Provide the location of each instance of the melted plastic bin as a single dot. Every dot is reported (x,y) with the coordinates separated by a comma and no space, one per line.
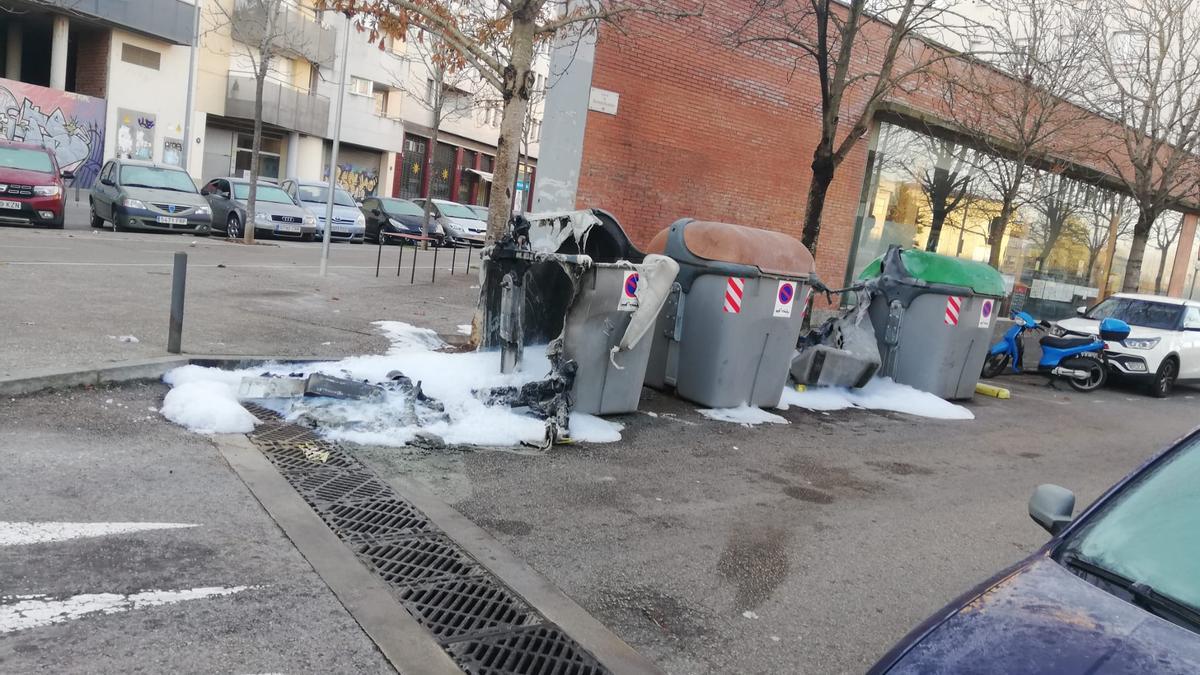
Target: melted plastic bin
(933,319)
(729,328)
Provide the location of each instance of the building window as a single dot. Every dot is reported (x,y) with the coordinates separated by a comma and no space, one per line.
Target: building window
(381,102)
(467,180)
(140,56)
(414,167)
(443,167)
(535,131)
(429,91)
(361,87)
(268,156)
(314,76)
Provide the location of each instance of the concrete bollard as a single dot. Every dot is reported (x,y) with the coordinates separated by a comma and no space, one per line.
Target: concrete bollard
(178,283)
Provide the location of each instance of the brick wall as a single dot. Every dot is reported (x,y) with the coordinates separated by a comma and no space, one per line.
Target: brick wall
(91,63)
(707,131)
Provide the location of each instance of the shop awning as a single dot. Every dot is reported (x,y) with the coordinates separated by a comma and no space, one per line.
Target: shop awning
(482,174)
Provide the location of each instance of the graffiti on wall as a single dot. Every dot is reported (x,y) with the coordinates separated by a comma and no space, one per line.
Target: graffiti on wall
(135,134)
(72,125)
(360,182)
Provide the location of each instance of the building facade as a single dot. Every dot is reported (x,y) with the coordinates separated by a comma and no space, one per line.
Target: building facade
(665,120)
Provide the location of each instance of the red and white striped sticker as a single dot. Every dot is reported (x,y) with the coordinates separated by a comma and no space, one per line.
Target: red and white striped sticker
(953,305)
(733,295)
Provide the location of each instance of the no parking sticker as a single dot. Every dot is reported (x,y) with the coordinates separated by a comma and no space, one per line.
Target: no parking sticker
(629,301)
(784,298)
(985,314)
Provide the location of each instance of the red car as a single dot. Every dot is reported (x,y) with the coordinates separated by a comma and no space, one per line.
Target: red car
(31,186)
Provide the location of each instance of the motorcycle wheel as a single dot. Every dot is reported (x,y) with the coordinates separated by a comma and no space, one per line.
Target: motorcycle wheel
(1097,374)
(994,365)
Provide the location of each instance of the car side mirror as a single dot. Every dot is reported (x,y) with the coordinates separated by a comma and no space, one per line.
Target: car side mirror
(1081,310)
(1051,507)
(204,191)
(106,181)
(67,174)
(376,213)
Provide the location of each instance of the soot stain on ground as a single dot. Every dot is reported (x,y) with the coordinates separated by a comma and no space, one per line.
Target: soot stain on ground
(755,560)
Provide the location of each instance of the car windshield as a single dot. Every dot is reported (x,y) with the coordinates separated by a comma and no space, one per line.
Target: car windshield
(156,177)
(401,207)
(1136,312)
(452,210)
(319,194)
(265,193)
(481,212)
(1148,533)
(26,159)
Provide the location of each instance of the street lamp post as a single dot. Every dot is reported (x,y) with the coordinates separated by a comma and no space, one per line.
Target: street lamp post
(337,134)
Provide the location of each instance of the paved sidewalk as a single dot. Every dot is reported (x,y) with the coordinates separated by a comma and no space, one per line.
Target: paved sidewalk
(70,296)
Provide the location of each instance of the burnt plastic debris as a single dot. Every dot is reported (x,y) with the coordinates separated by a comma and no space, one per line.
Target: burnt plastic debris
(340,387)
(842,352)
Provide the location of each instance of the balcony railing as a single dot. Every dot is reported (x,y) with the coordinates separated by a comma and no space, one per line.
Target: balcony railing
(283,105)
(296,32)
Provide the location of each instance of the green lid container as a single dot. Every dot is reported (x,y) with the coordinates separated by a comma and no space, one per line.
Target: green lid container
(935,268)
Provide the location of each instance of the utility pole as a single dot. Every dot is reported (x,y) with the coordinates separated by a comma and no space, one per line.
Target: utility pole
(191,89)
(337,134)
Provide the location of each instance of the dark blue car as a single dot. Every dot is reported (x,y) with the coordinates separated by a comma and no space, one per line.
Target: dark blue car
(1116,590)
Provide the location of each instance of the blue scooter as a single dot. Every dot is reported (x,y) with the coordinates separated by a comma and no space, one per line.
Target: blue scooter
(1079,359)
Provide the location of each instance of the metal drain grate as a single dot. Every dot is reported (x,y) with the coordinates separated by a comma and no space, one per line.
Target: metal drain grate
(262,413)
(486,627)
(305,457)
(419,559)
(337,484)
(375,520)
(538,650)
(452,609)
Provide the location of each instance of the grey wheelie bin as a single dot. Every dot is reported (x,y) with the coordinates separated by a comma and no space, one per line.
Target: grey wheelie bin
(933,318)
(728,331)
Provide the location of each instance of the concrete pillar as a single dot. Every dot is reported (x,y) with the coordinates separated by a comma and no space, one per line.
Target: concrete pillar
(1185,256)
(12,57)
(292,164)
(58,51)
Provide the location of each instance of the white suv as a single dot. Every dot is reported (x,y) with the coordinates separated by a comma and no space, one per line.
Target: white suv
(1164,345)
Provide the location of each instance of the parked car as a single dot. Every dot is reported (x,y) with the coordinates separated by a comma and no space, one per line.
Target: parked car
(349,224)
(459,222)
(276,213)
(1163,347)
(31,186)
(1115,590)
(481,212)
(137,195)
(397,217)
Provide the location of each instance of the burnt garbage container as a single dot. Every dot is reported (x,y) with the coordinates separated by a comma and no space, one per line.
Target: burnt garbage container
(729,328)
(933,318)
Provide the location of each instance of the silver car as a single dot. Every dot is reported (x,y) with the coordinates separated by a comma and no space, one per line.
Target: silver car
(349,223)
(459,222)
(276,214)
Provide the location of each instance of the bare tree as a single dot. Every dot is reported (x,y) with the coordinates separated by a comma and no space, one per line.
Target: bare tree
(1149,61)
(262,34)
(1059,200)
(448,92)
(1099,216)
(497,38)
(862,51)
(1165,231)
(945,184)
(1025,114)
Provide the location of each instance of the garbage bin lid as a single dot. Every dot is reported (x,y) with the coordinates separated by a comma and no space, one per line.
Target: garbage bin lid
(769,251)
(943,269)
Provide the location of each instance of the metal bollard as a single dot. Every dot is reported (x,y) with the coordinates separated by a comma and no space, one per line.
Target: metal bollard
(178,284)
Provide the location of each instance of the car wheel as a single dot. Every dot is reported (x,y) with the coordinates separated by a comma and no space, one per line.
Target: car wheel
(1164,379)
(233,227)
(97,221)
(994,365)
(1097,374)
(117,226)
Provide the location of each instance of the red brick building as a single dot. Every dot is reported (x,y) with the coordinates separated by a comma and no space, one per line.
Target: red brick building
(680,123)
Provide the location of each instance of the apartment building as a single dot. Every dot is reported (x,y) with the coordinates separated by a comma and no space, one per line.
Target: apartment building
(97,79)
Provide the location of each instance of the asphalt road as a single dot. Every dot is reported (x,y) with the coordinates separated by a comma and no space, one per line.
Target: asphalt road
(87,292)
(216,589)
(806,548)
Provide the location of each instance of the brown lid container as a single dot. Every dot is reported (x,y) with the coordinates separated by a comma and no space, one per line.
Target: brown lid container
(771,252)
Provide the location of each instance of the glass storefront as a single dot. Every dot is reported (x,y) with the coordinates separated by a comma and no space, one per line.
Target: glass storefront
(936,194)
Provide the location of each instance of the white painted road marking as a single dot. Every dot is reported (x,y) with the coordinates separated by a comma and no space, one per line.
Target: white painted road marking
(17,533)
(33,611)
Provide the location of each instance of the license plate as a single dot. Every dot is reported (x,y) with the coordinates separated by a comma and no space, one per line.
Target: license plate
(171,220)
(5,204)
(288,228)
(1093,355)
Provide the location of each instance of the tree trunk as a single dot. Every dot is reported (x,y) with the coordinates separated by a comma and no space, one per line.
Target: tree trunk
(1162,266)
(935,229)
(439,82)
(518,83)
(823,166)
(260,77)
(999,224)
(1137,251)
